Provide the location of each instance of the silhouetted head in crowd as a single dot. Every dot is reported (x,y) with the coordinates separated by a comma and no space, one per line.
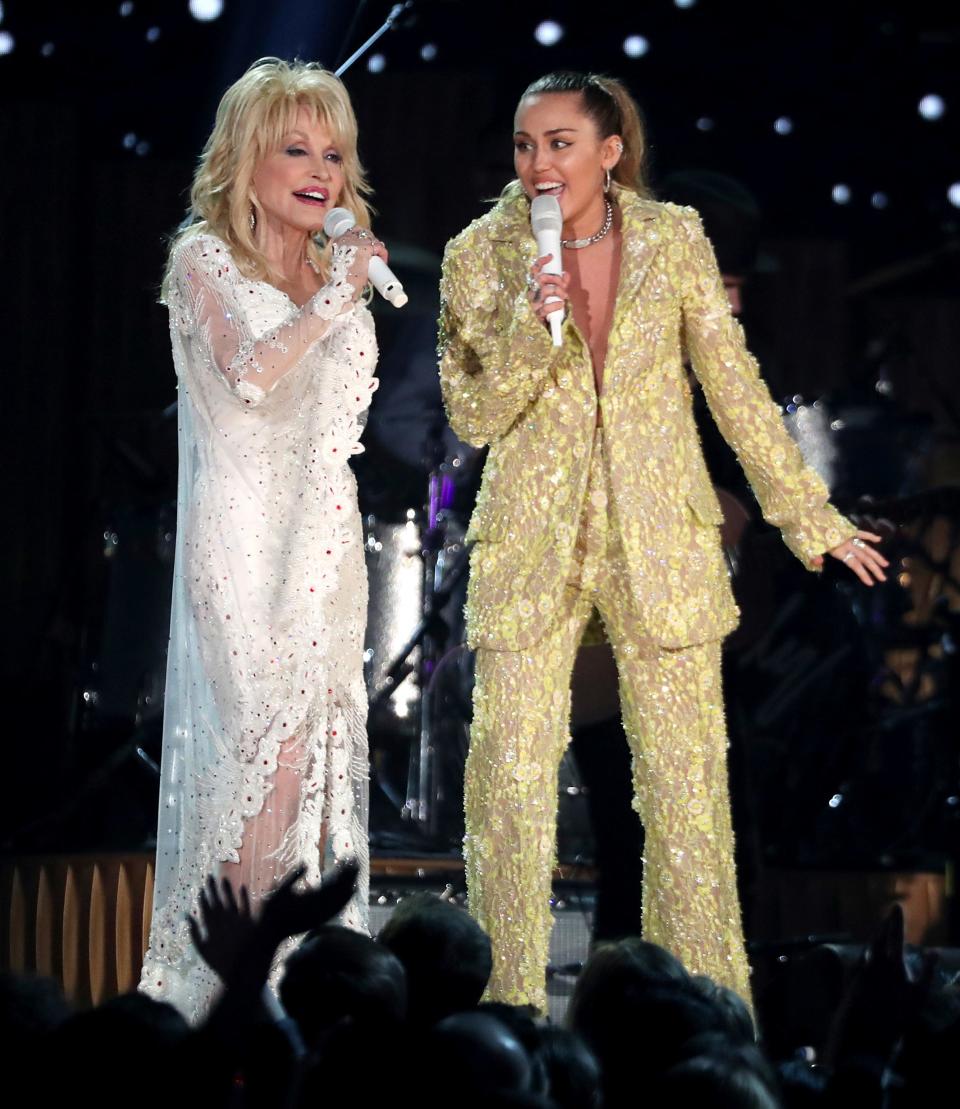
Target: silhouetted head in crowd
(636,1012)
(445,953)
(30,1006)
(720,1080)
(799,1002)
(630,962)
(338,975)
(476,1054)
(573,1073)
(736,1014)
(931,1046)
(520,1022)
(102,1052)
(719,1045)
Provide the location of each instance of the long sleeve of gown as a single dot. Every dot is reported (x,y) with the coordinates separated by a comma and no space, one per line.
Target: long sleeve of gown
(492,365)
(207,295)
(792,496)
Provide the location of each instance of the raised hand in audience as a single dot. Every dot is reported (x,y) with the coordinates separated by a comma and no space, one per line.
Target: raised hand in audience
(233,940)
(882,998)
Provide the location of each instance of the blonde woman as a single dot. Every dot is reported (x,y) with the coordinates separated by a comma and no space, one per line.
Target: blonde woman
(596,500)
(265,755)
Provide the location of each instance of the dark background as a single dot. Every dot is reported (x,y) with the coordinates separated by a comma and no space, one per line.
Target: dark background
(102,115)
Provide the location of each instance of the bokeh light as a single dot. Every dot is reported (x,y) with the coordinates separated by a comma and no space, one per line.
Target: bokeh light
(635,46)
(205,10)
(548,33)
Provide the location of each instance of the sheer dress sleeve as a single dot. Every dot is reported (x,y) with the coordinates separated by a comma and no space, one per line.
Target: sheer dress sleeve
(207,300)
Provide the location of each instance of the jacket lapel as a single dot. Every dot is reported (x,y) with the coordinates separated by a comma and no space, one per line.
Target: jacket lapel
(509,229)
(641,242)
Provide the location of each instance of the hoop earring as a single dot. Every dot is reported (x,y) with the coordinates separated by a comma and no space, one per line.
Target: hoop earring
(607,182)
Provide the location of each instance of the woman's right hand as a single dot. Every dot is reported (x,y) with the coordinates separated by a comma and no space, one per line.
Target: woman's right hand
(543,285)
(367,246)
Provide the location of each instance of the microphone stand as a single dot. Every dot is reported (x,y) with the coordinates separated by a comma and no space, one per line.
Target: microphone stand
(388,25)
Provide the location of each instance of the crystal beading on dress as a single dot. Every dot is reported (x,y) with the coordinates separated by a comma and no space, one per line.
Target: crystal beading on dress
(265,760)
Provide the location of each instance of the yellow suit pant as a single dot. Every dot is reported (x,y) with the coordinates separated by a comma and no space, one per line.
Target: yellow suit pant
(672,706)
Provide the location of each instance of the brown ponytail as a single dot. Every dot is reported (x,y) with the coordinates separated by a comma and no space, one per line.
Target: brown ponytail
(613,110)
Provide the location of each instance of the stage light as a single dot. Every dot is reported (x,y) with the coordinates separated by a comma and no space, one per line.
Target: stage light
(548,33)
(836,801)
(931,106)
(377,63)
(879,200)
(206,10)
(841,194)
(684,3)
(47,49)
(635,46)
(428,51)
(153,34)
(953,194)
(705,123)
(783,125)
(142,148)
(6,42)
(129,141)
(126,8)
(1,12)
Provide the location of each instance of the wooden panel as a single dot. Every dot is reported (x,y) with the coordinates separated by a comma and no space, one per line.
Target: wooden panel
(147,910)
(46,930)
(74,964)
(793,904)
(17,915)
(126,932)
(97,936)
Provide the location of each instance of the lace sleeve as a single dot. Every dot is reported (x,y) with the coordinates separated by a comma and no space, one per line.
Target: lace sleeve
(791,494)
(208,292)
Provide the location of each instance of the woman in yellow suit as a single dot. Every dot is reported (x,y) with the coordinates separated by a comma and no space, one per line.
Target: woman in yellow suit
(595,496)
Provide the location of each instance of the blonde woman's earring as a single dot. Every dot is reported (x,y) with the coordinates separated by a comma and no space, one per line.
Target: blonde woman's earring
(253,218)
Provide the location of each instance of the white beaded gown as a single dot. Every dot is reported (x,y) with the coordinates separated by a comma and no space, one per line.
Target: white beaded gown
(264,744)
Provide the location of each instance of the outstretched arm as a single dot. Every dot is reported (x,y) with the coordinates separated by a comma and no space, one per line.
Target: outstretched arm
(792,496)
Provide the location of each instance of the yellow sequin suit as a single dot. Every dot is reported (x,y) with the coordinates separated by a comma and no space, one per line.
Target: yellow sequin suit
(571,518)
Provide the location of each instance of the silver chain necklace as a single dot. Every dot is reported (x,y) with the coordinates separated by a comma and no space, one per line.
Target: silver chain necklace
(579,244)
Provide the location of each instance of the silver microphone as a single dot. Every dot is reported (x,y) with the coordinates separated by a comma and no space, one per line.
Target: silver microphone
(547,223)
(338,222)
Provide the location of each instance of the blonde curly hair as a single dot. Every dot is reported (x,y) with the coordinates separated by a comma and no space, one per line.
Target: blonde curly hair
(253,117)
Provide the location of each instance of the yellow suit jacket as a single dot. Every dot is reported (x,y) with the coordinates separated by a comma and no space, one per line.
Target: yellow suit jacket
(506,385)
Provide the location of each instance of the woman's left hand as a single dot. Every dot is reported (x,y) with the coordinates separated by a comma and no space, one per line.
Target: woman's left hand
(862,559)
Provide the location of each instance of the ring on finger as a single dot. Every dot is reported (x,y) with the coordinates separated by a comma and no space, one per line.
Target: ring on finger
(858,542)
(848,556)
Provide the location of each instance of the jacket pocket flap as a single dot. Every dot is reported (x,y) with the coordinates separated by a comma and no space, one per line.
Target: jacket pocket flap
(485,527)
(704,505)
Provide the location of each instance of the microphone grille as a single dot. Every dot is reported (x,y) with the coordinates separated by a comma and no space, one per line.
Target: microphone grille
(545,214)
(338,222)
